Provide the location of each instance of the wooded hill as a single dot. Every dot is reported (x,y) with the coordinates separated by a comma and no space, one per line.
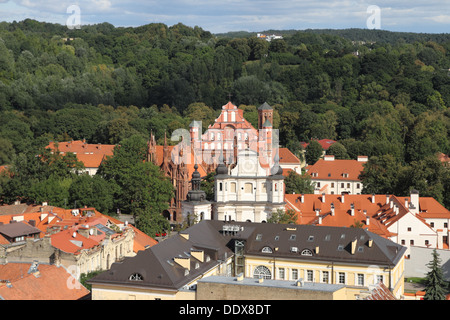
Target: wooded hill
(378,93)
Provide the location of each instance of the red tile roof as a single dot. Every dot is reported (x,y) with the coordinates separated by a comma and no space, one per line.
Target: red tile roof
(325,143)
(57,218)
(377,212)
(90,154)
(50,283)
(346,170)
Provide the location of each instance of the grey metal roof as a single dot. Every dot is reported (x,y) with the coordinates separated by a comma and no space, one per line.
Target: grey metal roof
(265,106)
(158,269)
(17,229)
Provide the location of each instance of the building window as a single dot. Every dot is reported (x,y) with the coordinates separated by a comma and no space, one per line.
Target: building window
(360,279)
(342,185)
(309,275)
(318,184)
(332,184)
(266,250)
(357,186)
(403,242)
(325,276)
(262,272)
(306,252)
(348,185)
(427,242)
(233,187)
(432,224)
(445,225)
(409,229)
(294,274)
(136,277)
(248,187)
(411,242)
(341,277)
(281,273)
(220,186)
(379,278)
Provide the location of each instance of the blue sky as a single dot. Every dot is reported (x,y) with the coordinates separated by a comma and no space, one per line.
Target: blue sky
(249,15)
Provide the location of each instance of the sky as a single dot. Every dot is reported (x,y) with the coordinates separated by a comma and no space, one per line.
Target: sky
(429,16)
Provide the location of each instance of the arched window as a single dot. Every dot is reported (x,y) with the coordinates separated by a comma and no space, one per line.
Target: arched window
(262,272)
(306,252)
(136,277)
(267,250)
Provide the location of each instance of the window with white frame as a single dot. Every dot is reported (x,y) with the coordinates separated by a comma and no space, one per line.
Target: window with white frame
(294,274)
(360,279)
(341,277)
(310,275)
(262,272)
(325,276)
(281,273)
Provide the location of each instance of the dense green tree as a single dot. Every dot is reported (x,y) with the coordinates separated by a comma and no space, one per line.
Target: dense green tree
(283,217)
(380,175)
(298,183)
(313,152)
(435,288)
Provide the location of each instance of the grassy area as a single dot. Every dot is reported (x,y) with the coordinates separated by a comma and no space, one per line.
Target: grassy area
(416,280)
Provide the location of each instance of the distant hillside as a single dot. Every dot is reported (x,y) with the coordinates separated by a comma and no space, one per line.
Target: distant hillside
(351,34)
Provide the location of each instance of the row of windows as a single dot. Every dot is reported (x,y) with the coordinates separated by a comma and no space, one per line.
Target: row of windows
(358,185)
(264,272)
(248,187)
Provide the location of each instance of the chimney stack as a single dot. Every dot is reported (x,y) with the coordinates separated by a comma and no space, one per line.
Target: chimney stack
(303,198)
(342,197)
(332,209)
(387,198)
(323,197)
(352,209)
(373,197)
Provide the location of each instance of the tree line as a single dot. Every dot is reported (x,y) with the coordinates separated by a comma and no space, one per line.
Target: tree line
(379,97)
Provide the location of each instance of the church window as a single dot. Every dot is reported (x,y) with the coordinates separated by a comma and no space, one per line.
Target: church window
(233,187)
(225,116)
(220,186)
(248,188)
(233,116)
(263,187)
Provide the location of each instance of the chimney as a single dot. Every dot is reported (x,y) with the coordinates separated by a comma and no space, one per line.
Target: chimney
(342,197)
(370,243)
(317,212)
(391,204)
(303,198)
(353,248)
(323,197)
(328,157)
(332,209)
(373,197)
(320,220)
(365,212)
(406,203)
(317,250)
(367,221)
(387,199)
(414,195)
(352,209)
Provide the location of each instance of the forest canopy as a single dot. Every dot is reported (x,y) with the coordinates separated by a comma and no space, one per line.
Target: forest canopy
(377,93)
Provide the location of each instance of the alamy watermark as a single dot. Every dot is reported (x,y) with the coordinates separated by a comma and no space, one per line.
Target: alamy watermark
(74,20)
(374,20)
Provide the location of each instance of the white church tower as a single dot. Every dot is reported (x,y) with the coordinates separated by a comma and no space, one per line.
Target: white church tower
(248,192)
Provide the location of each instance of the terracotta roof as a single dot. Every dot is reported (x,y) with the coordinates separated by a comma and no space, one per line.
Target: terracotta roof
(336,169)
(50,283)
(286,156)
(325,143)
(380,292)
(342,217)
(47,217)
(90,154)
(379,212)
